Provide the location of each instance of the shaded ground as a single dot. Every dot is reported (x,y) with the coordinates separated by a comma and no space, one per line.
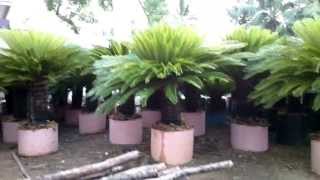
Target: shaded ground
(280,163)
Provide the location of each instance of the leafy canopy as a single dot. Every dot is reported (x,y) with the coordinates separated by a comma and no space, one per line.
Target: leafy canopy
(30,55)
(163,57)
(293,66)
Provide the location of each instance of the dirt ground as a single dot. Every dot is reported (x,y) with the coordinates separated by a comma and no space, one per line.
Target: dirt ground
(279,163)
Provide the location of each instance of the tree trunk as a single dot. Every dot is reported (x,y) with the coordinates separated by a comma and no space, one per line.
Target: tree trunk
(77,94)
(192,101)
(39,100)
(9,101)
(89,169)
(153,101)
(128,108)
(178,172)
(90,104)
(141,172)
(170,113)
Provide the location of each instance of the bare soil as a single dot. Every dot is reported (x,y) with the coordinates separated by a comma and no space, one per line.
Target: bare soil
(279,163)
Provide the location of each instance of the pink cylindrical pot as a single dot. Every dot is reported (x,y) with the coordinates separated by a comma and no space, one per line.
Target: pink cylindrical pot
(37,142)
(10,131)
(72,117)
(249,138)
(197,120)
(90,123)
(150,117)
(315,156)
(125,132)
(172,147)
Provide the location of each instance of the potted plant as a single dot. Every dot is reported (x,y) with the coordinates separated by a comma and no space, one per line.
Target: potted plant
(163,58)
(249,130)
(32,59)
(292,68)
(89,121)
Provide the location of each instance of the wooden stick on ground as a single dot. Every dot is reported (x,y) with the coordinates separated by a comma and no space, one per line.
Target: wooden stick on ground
(22,169)
(113,170)
(91,168)
(137,173)
(171,175)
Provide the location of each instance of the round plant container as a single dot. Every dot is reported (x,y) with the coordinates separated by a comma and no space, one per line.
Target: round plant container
(150,117)
(72,117)
(315,155)
(125,132)
(197,120)
(249,138)
(172,147)
(10,131)
(37,142)
(91,123)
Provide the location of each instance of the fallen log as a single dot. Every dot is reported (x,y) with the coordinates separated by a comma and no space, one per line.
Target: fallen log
(113,170)
(21,167)
(137,173)
(176,173)
(89,169)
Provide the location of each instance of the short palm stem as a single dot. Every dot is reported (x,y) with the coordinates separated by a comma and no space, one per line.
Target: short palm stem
(38,98)
(170,113)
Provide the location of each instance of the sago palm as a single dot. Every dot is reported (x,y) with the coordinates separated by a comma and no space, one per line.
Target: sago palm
(162,59)
(292,65)
(33,59)
(255,38)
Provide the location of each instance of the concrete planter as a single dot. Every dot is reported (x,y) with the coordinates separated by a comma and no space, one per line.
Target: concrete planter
(125,132)
(10,131)
(91,123)
(37,142)
(172,147)
(197,120)
(249,138)
(315,156)
(72,117)
(150,117)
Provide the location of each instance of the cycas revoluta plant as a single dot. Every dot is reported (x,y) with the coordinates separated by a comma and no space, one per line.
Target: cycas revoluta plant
(32,59)
(255,38)
(162,59)
(292,65)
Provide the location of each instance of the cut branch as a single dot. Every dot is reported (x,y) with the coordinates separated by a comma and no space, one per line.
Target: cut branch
(172,174)
(90,169)
(22,169)
(138,172)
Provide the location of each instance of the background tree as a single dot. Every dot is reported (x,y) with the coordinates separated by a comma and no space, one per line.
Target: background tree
(276,15)
(74,11)
(155,10)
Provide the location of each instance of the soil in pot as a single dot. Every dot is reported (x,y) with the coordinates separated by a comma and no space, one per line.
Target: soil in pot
(197,120)
(125,130)
(38,139)
(91,123)
(172,144)
(250,135)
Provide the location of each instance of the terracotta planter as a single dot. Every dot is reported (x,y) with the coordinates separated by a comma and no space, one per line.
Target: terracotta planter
(150,117)
(90,123)
(315,156)
(125,132)
(10,131)
(249,138)
(37,142)
(197,120)
(173,148)
(72,117)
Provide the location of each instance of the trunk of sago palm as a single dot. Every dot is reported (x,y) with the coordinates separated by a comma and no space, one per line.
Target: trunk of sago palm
(77,95)
(193,98)
(39,100)
(128,108)
(170,113)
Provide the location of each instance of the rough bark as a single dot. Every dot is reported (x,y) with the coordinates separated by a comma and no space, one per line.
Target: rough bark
(89,169)
(192,101)
(186,171)
(170,113)
(77,95)
(128,108)
(39,99)
(137,173)
(113,170)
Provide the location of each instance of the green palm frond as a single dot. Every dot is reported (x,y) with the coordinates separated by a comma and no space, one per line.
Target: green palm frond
(30,54)
(293,66)
(162,59)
